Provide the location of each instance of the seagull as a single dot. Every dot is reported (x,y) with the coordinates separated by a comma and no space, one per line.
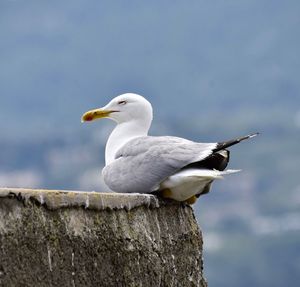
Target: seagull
(172,167)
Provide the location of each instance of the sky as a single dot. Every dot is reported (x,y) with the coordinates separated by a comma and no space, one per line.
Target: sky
(67,56)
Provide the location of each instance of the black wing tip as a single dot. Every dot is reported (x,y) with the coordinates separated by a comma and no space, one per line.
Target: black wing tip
(247,137)
(226,144)
(253,135)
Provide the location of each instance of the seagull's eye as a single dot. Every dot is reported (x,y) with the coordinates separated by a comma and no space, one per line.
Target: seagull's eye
(122,102)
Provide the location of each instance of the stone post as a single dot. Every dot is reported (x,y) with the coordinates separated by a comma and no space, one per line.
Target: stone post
(66,238)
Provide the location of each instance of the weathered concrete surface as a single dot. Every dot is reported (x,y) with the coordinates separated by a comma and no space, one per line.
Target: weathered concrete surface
(59,238)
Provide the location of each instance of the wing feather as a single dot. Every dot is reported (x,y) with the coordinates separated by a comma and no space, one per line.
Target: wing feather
(143,163)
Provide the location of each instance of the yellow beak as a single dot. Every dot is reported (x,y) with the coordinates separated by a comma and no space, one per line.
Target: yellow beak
(95,114)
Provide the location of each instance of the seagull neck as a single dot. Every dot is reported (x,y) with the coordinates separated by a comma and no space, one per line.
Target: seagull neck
(123,133)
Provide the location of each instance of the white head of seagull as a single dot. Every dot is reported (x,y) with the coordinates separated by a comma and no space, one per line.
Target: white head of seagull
(133,115)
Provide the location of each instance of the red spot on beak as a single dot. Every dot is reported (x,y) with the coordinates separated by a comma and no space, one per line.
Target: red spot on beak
(88,118)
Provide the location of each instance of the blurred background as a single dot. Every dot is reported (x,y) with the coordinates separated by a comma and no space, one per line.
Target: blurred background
(213,70)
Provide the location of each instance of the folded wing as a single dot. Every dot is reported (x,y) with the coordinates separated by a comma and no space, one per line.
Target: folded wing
(143,163)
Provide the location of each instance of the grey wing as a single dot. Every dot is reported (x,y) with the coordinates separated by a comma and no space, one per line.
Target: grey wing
(143,163)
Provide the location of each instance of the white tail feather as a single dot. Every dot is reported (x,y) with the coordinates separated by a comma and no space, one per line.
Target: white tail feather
(205,173)
(189,182)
